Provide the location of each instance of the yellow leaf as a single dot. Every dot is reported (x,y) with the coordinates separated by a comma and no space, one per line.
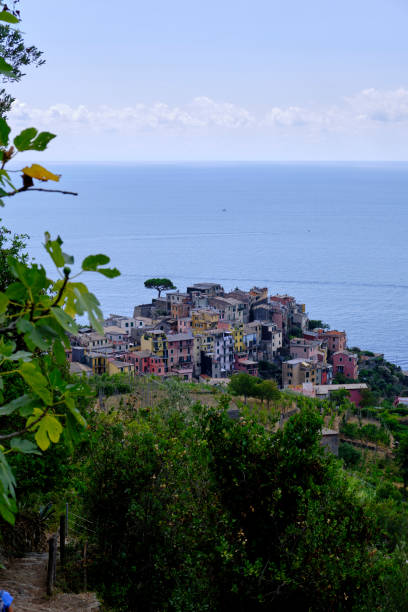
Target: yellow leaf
(49,429)
(38,172)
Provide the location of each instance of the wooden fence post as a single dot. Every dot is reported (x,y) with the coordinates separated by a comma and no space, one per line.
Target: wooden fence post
(85,566)
(52,564)
(62,531)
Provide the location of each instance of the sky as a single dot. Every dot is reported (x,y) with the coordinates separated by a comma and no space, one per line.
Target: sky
(278,80)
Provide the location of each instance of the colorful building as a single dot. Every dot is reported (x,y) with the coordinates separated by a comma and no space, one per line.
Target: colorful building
(180,351)
(304,349)
(298,371)
(336,340)
(345,363)
(119,367)
(184,325)
(237,332)
(140,361)
(249,366)
(203,319)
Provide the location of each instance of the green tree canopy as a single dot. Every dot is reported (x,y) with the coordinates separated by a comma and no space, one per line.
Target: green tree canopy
(317,323)
(243,384)
(268,390)
(38,402)
(18,55)
(10,245)
(402,458)
(160,284)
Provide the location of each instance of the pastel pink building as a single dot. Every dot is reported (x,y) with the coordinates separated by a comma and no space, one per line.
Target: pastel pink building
(304,349)
(140,360)
(354,390)
(243,364)
(146,363)
(345,363)
(157,365)
(225,325)
(336,340)
(180,350)
(184,325)
(285,300)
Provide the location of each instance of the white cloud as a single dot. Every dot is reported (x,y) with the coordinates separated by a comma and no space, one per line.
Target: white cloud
(201,112)
(370,124)
(376,105)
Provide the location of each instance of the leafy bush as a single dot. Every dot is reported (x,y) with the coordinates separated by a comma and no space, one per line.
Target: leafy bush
(194,511)
(349,454)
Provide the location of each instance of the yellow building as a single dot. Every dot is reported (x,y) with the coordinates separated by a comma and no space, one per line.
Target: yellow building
(238,336)
(204,319)
(119,367)
(154,341)
(97,362)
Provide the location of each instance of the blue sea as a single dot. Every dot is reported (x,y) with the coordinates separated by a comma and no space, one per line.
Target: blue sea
(332,235)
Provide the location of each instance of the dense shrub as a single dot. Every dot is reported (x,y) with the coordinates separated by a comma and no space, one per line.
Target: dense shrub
(368,432)
(194,512)
(349,454)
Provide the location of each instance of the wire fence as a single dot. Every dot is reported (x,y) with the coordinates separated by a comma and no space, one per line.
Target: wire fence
(74,531)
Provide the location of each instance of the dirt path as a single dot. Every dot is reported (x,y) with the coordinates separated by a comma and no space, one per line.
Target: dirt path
(25,579)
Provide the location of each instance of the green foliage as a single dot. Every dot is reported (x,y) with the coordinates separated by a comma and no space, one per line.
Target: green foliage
(31,140)
(339,396)
(10,245)
(110,384)
(386,380)
(38,401)
(160,284)
(349,454)
(267,390)
(243,384)
(368,398)
(295,331)
(16,54)
(268,370)
(194,511)
(367,432)
(402,458)
(317,323)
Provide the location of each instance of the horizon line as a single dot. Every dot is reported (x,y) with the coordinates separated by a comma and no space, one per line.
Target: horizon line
(223,161)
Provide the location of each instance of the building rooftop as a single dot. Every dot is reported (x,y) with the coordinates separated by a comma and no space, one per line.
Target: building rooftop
(247,362)
(302,341)
(94,336)
(199,286)
(119,364)
(113,329)
(78,368)
(333,332)
(329,432)
(95,354)
(299,360)
(322,389)
(252,325)
(141,354)
(179,337)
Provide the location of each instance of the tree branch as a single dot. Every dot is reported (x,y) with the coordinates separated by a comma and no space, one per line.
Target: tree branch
(26,429)
(60,292)
(12,193)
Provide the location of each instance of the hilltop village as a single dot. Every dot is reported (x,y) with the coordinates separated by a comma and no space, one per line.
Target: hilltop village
(207,334)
